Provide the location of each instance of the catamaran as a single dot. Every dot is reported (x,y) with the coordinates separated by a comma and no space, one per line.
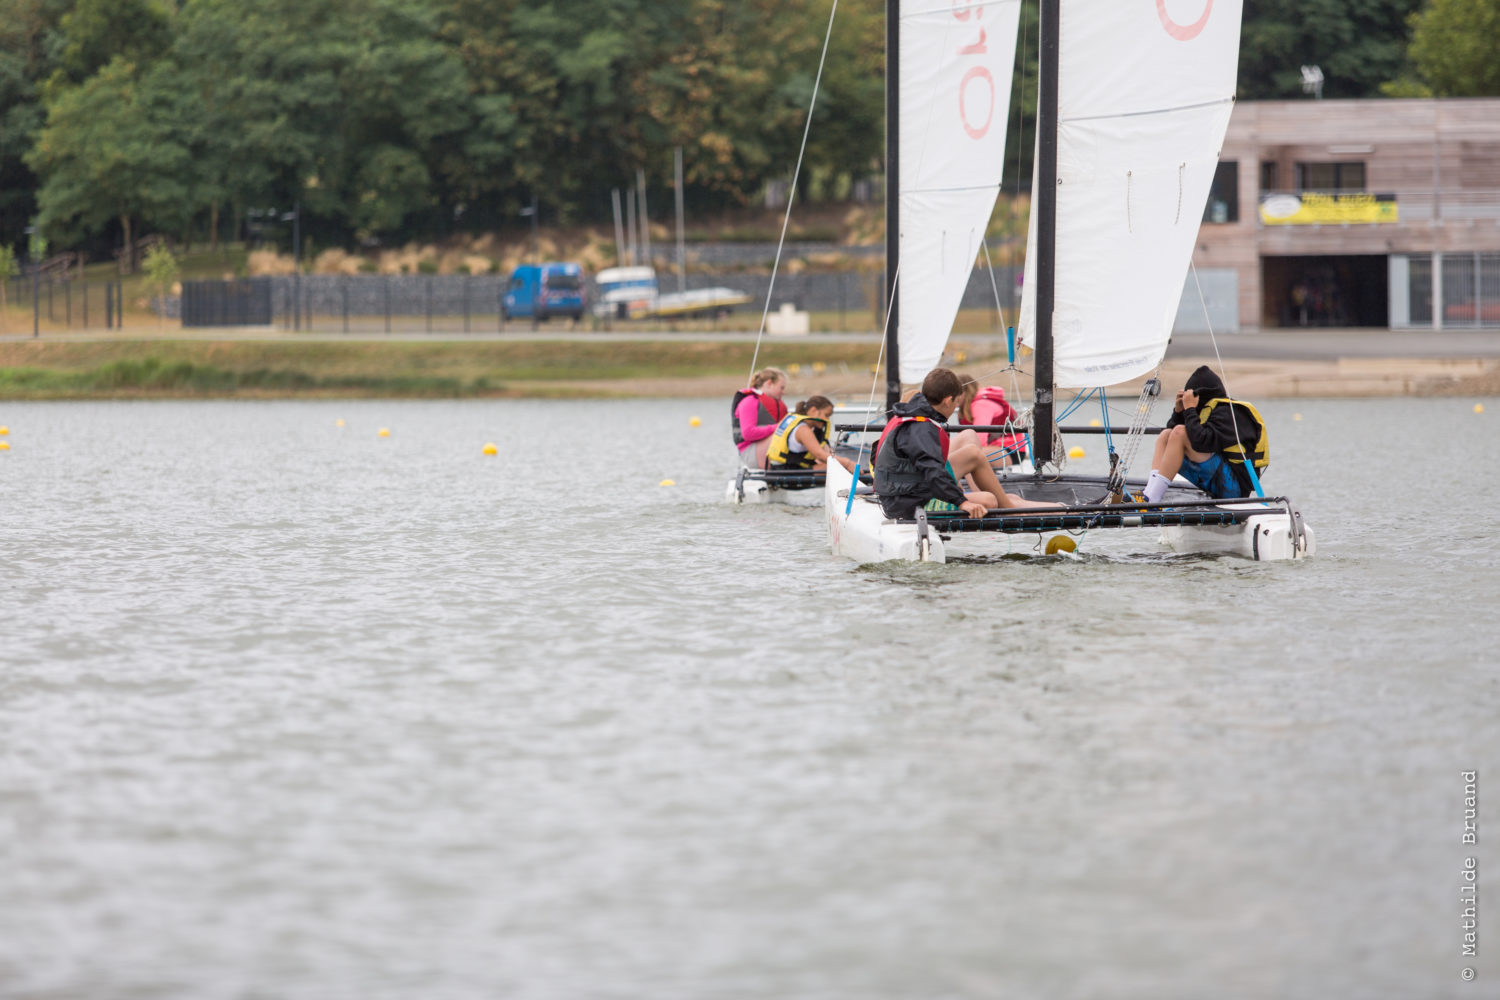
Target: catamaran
(1133,103)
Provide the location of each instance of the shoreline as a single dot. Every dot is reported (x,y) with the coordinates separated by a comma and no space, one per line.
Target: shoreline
(649,364)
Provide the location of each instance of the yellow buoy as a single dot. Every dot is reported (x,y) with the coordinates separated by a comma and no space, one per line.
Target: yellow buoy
(1478,408)
(960,357)
(1296,416)
(4,431)
(819,367)
(384,432)
(490,449)
(1096,422)
(1060,543)
(1075,452)
(339,422)
(695,422)
(667,482)
(793,369)
(4,446)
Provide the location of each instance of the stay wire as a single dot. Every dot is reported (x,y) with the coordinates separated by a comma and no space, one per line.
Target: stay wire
(1224,377)
(792,194)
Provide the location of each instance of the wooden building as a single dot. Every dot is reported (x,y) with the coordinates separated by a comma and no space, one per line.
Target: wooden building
(1367,213)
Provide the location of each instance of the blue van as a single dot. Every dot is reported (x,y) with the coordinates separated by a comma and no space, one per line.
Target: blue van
(540,291)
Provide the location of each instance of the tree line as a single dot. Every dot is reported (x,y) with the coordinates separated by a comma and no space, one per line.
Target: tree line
(385,119)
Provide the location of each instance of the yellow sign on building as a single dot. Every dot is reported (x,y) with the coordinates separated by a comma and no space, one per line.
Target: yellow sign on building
(1311,209)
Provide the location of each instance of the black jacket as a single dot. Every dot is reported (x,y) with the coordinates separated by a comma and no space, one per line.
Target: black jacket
(1219,433)
(909,468)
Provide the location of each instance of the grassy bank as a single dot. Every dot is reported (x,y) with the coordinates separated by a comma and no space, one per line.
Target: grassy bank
(267,369)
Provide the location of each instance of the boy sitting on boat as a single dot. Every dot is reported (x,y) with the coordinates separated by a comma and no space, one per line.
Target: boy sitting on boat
(1206,441)
(917,465)
(801,439)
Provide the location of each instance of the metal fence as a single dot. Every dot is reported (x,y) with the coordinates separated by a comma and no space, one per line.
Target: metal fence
(366,303)
(474,303)
(65,303)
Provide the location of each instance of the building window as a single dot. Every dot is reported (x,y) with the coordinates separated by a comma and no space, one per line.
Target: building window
(1330,176)
(1420,290)
(1269,176)
(1224,196)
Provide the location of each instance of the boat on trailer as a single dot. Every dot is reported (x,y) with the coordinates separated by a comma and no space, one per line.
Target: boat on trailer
(1131,114)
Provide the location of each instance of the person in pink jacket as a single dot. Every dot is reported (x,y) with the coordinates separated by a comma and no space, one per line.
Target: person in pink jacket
(756,411)
(987,406)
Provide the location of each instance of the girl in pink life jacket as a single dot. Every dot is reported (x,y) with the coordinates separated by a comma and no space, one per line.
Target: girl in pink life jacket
(757,410)
(987,406)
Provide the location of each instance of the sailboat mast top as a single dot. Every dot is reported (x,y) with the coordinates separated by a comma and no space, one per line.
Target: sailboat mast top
(1046,231)
(892,200)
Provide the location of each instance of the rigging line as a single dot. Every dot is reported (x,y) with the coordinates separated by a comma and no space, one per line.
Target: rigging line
(984,242)
(791,197)
(912,15)
(1249,455)
(859,458)
(1147,112)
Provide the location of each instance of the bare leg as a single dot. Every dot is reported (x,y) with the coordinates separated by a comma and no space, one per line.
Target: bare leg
(761,447)
(970,461)
(1171,448)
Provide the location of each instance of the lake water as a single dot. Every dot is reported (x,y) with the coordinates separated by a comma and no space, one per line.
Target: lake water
(289,710)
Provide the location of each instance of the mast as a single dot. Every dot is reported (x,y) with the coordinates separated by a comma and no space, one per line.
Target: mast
(1046,231)
(892,200)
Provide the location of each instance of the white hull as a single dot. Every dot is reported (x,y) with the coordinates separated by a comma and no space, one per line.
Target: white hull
(866,536)
(756,492)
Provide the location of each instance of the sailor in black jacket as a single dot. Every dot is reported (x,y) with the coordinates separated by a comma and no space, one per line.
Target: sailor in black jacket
(1206,440)
(915,466)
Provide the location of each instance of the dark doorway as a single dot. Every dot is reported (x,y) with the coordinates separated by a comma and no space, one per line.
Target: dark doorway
(1325,291)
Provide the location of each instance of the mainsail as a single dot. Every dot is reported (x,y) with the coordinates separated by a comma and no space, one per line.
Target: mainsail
(1145,90)
(956,59)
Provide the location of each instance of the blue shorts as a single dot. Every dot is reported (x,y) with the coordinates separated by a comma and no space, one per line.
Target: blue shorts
(1213,477)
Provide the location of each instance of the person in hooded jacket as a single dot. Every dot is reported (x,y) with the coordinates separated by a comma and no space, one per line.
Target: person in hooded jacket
(917,466)
(1206,441)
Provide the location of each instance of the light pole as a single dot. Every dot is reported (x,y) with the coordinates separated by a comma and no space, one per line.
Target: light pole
(532,212)
(295,218)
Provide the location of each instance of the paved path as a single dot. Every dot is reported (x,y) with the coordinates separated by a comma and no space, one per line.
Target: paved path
(1270,345)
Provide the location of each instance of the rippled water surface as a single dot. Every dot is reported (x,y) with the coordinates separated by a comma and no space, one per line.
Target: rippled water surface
(291,710)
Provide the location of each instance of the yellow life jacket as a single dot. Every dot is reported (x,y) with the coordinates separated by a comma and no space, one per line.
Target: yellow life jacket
(780,455)
(1261,452)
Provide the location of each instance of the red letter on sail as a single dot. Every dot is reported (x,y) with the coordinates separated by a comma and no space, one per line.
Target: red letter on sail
(1183,32)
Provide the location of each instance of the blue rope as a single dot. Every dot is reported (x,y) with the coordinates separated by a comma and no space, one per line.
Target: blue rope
(1109,439)
(1254,479)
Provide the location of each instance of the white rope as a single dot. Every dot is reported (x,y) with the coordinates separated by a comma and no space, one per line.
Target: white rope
(1223,375)
(792,194)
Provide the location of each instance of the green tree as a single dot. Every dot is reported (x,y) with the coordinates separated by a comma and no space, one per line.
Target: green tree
(161,271)
(30,40)
(95,32)
(346,105)
(111,150)
(1455,47)
(1359,44)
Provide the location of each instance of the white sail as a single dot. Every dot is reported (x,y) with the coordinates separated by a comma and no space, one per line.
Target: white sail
(956,62)
(1145,90)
